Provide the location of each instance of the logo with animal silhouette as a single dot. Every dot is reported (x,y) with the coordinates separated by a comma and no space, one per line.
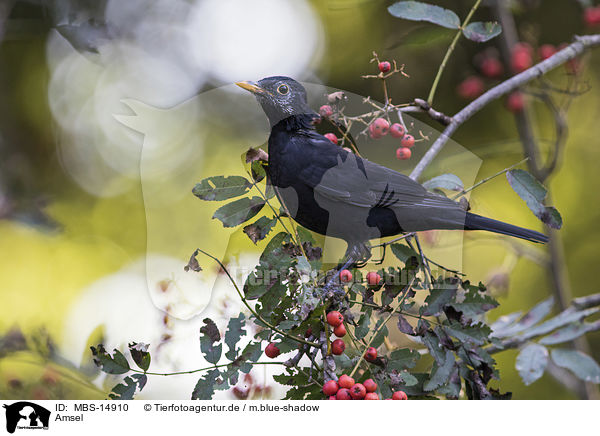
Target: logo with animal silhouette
(26,415)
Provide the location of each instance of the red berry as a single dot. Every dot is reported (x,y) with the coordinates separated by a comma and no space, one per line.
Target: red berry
(343,394)
(384,66)
(331,137)
(373,278)
(337,347)
(491,67)
(379,128)
(591,16)
(345,381)
(399,395)
(332,397)
(272,351)
(334,318)
(371,396)
(370,354)
(470,88)
(521,57)
(330,388)
(358,391)
(515,102)
(340,331)
(345,276)
(546,50)
(403,153)
(408,141)
(325,111)
(397,130)
(370,385)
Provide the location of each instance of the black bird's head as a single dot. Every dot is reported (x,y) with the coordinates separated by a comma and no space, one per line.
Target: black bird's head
(280,97)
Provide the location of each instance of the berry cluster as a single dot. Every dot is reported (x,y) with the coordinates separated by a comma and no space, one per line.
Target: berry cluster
(381,127)
(522,58)
(347,389)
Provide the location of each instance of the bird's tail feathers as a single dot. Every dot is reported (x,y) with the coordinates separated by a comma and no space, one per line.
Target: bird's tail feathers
(478,222)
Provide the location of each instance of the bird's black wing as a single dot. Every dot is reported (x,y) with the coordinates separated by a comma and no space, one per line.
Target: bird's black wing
(341,179)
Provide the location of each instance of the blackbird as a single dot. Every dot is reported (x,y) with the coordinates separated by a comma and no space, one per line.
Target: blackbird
(336,193)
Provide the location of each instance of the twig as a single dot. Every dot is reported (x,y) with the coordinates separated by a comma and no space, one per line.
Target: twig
(449,52)
(260,318)
(571,51)
(487,179)
(376,332)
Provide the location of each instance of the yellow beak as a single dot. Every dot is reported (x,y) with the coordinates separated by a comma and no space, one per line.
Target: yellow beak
(252,87)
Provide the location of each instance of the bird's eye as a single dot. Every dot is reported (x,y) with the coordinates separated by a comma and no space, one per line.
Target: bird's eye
(283,89)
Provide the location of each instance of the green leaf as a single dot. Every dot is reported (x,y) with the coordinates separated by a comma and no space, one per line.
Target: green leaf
(482,32)
(531,318)
(126,389)
(567,333)
(402,359)
(437,300)
(476,334)
(209,336)
(235,330)
(434,346)
(445,181)
(403,252)
(475,303)
(362,329)
(139,353)
(567,317)
(220,188)
(417,11)
(441,374)
(109,364)
(258,230)
(204,389)
(533,193)
(239,211)
(531,362)
(580,364)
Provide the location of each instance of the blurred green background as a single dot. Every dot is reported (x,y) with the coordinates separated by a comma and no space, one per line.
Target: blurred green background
(61,231)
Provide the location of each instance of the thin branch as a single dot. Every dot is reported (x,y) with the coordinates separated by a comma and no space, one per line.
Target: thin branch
(487,179)
(449,52)
(571,51)
(260,318)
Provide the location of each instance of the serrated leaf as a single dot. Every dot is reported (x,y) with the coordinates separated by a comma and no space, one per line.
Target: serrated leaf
(418,11)
(531,362)
(362,329)
(441,374)
(209,336)
(580,364)
(475,303)
(445,181)
(567,317)
(220,188)
(482,31)
(116,364)
(402,359)
(476,334)
(533,193)
(405,327)
(403,252)
(432,342)
(531,318)
(566,334)
(258,230)
(437,300)
(204,389)
(140,355)
(235,330)
(239,211)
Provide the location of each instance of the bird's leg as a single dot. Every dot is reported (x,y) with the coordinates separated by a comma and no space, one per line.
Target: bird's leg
(424,261)
(384,245)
